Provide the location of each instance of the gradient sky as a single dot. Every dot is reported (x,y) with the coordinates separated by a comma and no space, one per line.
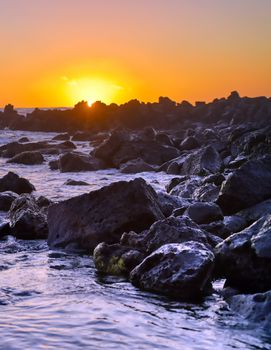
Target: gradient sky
(57,52)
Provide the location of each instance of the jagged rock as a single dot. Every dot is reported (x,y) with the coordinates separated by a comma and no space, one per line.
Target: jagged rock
(6,199)
(204,213)
(168,203)
(256,308)
(244,258)
(136,166)
(103,215)
(27,158)
(27,220)
(71,182)
(248,185)
(182,271)
(72,162)
(174,182)
(12,182)
(116,259)
(189,143)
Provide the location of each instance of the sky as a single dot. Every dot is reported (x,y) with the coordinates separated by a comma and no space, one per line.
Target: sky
(59,52)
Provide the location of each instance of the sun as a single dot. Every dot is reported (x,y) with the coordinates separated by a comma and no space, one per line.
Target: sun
(92,90)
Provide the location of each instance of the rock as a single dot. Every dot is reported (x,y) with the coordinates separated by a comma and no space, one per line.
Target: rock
(255,308)
(216,179)
(27,158)
(71,182)
(204,161)
(136,166)
(164,139)
(27,220)
(4,229)
(6,199)
(168,203)
(72,162)
(182,271)
(244,258)
(174,182)
(248,185)
(254,213)
(204,213)
(235,223)
(54,165)
(61,137)
(206,193)
(170,230)
(103,215)
(24,139)
(81,136)
(189,143)
(12,182)
(43,202)
(116,259)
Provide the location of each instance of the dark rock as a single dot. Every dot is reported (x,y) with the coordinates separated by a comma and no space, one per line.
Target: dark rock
(72,162)
(61,137)
(244,258)
(164,139)
(235,223)
(136,166)
(189,143)
(255,308)
(27,158)
(204,161)
(103,215)
(206,193)
(43,202)
(81,136)
(168,203)
(54,165)
(6,199)
(204,213)
(27,220)
(12,182)
(4,229)
(182,271)
(71,182)
(174,182)
(116,259)
(248,185)
(24,139)
(216,179)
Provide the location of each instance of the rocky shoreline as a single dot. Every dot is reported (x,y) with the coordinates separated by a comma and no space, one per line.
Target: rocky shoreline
(211,222)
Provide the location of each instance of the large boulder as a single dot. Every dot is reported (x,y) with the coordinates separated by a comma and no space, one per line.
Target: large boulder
(116,259)
(72,162)
(244,258)
(255,308)
(6,199)
(204,161)
(103,215)
(12,182)
(248,185)
(182,271)
(27,219)
(204,213)
(27,158)
(169,230)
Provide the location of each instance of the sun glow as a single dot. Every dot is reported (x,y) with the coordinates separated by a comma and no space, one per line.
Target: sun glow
(92,90)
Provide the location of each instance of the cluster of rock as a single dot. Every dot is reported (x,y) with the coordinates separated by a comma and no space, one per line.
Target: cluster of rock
(212,222)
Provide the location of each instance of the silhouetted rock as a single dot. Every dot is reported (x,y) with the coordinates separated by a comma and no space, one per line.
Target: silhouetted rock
(103,215)
(81,136)
(116,259)
(61,137)
(72,162)
(4,229)
(12,182)
(24,139)
(6,199)
(27,220)
(182,271)
(248,185)
(71,182)
(189,143)
(244,258)
(136,166)
(204,213)
(27,158)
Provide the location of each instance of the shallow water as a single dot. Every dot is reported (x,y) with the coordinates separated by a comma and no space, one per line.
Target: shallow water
(51,299)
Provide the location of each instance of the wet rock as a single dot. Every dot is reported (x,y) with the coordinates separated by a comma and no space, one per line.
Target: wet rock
(54,165)
(204,161)
(170,230)
(24,139)
(164,139)
(27,158)
(216,179)
(103,215)
(248,185)
(136,166)
(182,271)
(204,213)
(174,182)
(189,143)
(72,162)
(168,203)
(4,229)
(43,202)
(116,259)
(206,193)
(12,182)
(71,182)
(244,258)
(27,220)
(61,137)
(6,199)
(255,308)
(81,136)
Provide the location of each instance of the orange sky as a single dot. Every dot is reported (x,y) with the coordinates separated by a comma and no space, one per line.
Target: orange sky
(57,52)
